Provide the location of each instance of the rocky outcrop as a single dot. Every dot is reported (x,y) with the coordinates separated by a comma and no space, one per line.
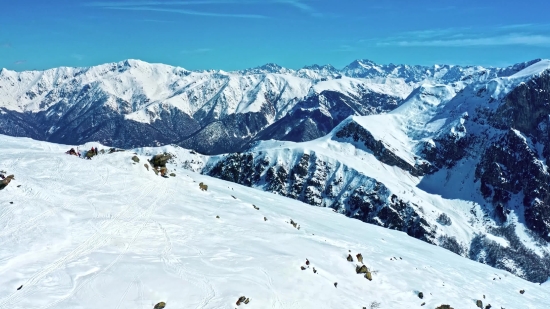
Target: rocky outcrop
(317,182)
(511,166)
(359,134)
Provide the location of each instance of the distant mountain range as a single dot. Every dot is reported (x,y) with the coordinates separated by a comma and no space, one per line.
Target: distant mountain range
(133,103)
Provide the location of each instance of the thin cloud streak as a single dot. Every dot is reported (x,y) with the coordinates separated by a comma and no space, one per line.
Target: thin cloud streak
(175,3)
(186,12)
(18,62)
(526,40)
(140,4)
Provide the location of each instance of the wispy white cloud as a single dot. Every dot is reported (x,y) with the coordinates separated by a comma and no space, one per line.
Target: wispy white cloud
(301,6)
(18,62)
(185,12)
(529,40)
(171,6)
(530,35)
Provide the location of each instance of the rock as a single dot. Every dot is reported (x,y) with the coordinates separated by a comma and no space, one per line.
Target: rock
(479,303)
(349,258)
(488,306)
(443,219)
(163,171)
(4,183)
(233,197)
(135,159)
(156,171)
(19,288)
(160,160)
(314,270)
(521,291)
(247,301)
(217,217)
(307,262)
(293,223)
(146,166)
(420,295)
(89,154)
(203,187)
(173,174)
(265,219)
(361,269)
(422,304)
(360,258)
(445,307)
(368,275)
(240,300)
(256,207)
(335,284)
(160,305)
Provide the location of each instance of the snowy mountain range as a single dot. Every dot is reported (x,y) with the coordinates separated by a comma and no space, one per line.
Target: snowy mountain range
(109,233)
(134,103)
(454,156)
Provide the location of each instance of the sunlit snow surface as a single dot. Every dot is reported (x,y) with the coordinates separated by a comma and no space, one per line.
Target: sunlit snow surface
(107,233)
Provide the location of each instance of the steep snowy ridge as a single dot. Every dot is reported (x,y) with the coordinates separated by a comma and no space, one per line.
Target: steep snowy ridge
(106,233)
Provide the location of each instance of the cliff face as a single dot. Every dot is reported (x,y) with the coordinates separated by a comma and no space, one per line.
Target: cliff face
(517,162)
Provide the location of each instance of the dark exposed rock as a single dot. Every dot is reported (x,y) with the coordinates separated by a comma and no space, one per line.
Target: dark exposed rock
(160,305)
(510,166)
(318,183)
(160,160)
(360,135)
(318,114)
(443,219)
(361,269)
(447,149)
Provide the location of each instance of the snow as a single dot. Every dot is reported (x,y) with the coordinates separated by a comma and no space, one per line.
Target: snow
(533,69)
(501,241)
(500,87)
(105,233)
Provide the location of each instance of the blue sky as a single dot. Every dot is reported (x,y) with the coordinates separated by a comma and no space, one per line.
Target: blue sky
(234,34)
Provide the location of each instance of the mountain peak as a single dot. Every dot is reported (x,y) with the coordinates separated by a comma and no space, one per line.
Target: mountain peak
(266,68)
(317,67)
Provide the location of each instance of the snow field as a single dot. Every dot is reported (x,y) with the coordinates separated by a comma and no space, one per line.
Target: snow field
(105,233)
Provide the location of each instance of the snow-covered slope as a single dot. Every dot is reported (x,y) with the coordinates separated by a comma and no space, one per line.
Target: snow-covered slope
(107,233)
